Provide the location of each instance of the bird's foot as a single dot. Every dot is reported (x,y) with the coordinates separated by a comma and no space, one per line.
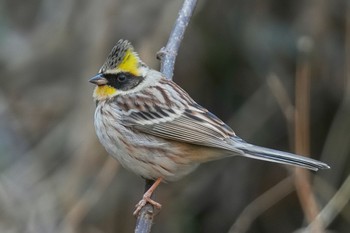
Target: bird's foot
(147,198)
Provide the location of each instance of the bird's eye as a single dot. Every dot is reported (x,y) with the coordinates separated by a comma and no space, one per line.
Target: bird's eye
(121,78)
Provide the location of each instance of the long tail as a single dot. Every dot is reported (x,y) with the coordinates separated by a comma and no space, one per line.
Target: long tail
(262,153)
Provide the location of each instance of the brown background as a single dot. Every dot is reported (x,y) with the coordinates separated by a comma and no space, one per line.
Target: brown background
(239,59)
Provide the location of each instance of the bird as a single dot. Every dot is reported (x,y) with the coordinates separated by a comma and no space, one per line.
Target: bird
(156,130)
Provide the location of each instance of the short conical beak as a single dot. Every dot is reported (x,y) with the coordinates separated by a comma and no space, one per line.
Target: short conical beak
(98,80)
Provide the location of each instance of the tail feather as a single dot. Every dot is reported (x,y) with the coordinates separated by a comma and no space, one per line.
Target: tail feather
(262,153)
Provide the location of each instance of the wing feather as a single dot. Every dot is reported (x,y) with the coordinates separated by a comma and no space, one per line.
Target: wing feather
(185,121)
(169,112)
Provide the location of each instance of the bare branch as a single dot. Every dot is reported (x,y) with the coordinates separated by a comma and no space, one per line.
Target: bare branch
(145,218)
(168,54)
(167,58)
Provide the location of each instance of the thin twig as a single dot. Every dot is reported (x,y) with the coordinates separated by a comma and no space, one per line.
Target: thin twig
(167,58)
(301,127)
(337,147)
(261,204)
(284,102)
(302,134)
(337,134)
(333,207)
(77,213)
(168,54)
(281,95)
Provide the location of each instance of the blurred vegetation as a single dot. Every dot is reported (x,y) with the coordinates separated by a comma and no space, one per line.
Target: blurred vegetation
(239,59)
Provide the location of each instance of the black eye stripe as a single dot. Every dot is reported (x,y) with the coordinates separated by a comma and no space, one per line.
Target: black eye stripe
(110,77)
(123,81)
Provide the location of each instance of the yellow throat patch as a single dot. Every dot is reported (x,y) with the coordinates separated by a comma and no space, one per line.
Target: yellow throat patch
(103,92)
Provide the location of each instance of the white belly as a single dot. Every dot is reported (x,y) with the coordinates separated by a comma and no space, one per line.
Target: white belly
(145,155)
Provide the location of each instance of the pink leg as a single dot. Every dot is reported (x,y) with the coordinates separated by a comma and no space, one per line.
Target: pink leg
(147,198)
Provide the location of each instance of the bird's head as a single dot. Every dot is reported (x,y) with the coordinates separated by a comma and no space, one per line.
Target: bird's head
(122,71)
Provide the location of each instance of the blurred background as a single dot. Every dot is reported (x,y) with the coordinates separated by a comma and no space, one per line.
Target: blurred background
(278,72)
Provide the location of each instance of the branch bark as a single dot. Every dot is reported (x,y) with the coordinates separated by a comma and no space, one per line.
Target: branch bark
(167,56)
(145,218)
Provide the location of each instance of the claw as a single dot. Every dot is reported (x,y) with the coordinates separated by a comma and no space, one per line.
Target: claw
(147,198)
(143,202)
